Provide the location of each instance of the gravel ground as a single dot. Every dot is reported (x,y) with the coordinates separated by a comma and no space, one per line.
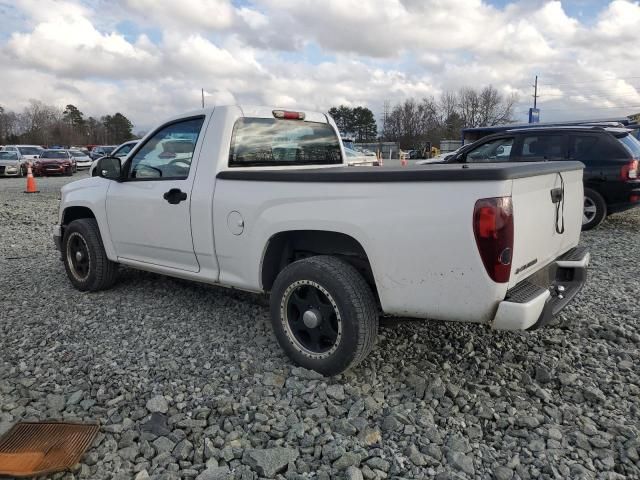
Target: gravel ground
(187,380)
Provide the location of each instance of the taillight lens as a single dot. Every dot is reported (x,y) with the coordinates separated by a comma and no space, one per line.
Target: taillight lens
(493,229)
(630,170)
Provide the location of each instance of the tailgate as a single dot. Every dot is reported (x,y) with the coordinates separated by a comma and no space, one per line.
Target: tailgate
(536,239)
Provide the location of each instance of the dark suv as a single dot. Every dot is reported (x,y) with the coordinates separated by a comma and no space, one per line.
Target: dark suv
(610,155)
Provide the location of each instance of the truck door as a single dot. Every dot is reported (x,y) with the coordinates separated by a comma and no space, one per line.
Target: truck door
(149,210)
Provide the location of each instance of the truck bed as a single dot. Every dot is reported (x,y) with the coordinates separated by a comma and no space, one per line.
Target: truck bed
(417,173)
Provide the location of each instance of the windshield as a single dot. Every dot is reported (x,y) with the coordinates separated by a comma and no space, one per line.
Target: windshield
(77,153)
(8,156)
(632,144)
(54,154)
(30,150)
(268,141)
(107,150)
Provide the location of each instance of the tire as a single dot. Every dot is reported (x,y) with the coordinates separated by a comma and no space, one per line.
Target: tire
(333,293)
(98,272)
(595,209)
(69,173)
(21,171)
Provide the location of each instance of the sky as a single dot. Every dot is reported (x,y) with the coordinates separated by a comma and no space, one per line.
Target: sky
(149,59)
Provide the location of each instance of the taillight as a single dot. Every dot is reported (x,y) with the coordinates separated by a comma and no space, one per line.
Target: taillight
(288,115)
(493,229)
(630,170)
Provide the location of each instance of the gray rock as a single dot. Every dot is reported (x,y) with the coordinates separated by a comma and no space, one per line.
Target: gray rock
(215,473)
(142,475)
(503,473)
(460,461)
(75,398)
(183,450)
(349,459)
(270,461)
(543,375)
(353,473)
(336,392)
(157,404)
(163,444)
(55,402)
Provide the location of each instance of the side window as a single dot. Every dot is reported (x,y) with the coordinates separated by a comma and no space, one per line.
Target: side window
(583,148)
(124,151)
(542,147)
(497,150)
(168,153)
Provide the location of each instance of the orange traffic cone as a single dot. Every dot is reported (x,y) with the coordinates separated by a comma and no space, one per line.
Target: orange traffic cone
(31,182)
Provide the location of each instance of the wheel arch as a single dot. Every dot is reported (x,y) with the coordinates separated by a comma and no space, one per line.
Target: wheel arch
(286,247)
(76,212)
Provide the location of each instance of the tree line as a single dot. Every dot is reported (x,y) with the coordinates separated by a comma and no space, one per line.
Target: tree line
(42,124)
(414,122)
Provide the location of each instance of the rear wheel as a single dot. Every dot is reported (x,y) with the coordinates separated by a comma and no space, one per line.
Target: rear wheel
(85,259)
(594,210)
(324,314)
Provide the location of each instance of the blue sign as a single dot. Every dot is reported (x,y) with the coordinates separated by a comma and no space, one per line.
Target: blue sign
(534,115)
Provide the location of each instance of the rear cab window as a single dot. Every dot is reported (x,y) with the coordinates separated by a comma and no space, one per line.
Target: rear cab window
(271,142)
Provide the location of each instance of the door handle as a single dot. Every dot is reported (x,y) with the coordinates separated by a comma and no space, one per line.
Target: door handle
(175,196)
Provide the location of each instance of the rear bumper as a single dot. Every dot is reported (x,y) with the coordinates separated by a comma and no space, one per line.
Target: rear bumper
(532,303)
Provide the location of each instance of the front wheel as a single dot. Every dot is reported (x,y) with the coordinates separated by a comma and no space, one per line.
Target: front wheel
(85,259)
(594,210)
(324,315)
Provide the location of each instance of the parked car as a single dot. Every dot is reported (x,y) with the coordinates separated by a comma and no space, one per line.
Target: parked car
(101,151)
(54,162)
(610,156)
(81,159)
(120,152)
(12,164)
(27,153)
(356,158)
(264,201)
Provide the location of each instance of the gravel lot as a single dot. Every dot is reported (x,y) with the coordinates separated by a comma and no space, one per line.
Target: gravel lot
(187,380)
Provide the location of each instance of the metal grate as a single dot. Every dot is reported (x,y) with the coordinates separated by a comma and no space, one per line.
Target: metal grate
(37,448)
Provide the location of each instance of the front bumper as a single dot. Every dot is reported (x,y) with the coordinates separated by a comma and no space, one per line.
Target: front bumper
(534,302)
(9,170)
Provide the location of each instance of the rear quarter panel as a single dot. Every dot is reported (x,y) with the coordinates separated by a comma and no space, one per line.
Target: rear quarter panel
(418,237)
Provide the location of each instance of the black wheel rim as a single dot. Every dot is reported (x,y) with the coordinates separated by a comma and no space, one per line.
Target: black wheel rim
(311,319)
(78,257)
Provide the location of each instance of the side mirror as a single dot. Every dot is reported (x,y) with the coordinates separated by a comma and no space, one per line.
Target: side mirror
(109,168)
(499,150)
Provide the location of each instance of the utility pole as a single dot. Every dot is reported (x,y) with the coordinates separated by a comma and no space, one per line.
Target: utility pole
(535,93)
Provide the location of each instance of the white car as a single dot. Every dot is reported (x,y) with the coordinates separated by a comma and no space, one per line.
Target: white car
(12,164)
(27,153)
(261,199)
(356,158)
(82,159)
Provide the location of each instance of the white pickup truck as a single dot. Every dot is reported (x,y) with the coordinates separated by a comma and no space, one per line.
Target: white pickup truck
(261,199)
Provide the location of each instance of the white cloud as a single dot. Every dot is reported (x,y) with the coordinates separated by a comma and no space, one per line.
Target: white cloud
(317,54)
